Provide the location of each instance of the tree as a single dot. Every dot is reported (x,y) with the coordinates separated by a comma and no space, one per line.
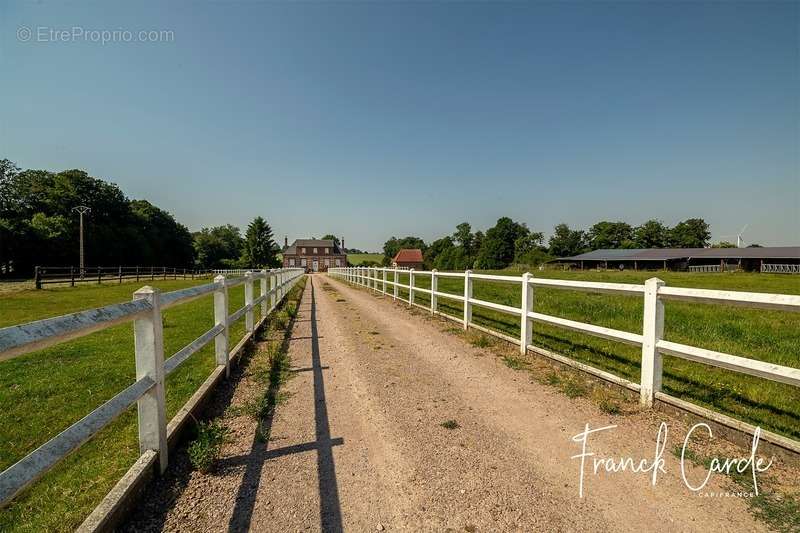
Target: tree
(333,238)
(497,249)
(218,247)
(723,244)
(436,248)
(171,242)
(651,234)
(606,234)
(259,245)
(691,233)
(566,242)
(529,249)
(464,238)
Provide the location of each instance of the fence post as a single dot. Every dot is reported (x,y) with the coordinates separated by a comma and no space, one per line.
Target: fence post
(72,276)
(152,273)
(525,323)
(249,322)
(137,273)
(384,281)
(264,293)
(394,297)
(119,274)
(434,288)
(221,317)
(411,287)
(165,272)
(652,332)
(273,287)
(148,334)
(99,275)
(467,298)
(37,277)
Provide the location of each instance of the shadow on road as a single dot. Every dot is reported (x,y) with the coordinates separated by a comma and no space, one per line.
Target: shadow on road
(330,509)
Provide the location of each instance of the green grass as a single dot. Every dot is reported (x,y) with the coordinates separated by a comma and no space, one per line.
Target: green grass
(358,259)
(44,392)
(772,336)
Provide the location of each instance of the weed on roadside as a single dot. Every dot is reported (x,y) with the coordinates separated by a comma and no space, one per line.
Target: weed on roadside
(513,363)
(205,449)
(450,424)
(481,341)
(573,387)
(552,378)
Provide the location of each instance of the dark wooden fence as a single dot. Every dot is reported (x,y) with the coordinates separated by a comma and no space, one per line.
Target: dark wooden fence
(46,275)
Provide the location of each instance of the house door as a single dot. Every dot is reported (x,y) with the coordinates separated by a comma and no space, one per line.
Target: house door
(315,265)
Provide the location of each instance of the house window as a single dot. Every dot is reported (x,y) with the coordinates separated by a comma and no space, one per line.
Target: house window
(291,262)
(303,262)
(315,250)
(302,250)
(327,262)
(326,250)
(338,262)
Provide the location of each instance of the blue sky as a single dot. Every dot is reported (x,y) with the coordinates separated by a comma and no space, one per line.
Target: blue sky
(377,119)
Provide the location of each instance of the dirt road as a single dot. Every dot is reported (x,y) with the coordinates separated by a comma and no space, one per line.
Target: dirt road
(359,443)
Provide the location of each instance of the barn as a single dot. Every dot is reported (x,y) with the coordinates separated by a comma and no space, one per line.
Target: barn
(408,258)
(778,259)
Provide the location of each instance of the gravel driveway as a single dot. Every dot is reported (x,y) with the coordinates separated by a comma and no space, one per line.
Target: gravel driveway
(359,444)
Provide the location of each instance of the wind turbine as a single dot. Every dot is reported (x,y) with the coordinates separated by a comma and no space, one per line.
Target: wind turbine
(739,240)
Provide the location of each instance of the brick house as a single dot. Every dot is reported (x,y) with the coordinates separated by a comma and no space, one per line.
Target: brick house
(314,255)
(408,258)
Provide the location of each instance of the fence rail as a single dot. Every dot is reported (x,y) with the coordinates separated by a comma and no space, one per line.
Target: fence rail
(714,268)
(151,368)
(776,268)
(654,291)
(46,275)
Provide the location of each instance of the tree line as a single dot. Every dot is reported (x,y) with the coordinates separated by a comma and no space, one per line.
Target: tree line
(38,226)
(513,243)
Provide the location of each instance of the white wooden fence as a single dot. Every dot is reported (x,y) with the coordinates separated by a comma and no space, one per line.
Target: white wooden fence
(654,291)
(151,367)
(775,268)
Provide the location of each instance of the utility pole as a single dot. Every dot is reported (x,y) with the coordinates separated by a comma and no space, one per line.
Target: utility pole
(82,210)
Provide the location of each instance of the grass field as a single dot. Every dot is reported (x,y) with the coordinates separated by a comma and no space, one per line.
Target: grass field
(358,259)
(44,392)
(772,336)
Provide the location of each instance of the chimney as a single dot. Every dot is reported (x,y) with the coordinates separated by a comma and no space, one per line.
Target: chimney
(285,241)
(343,248)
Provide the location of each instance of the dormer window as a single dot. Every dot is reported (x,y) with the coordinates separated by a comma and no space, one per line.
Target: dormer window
(302,250)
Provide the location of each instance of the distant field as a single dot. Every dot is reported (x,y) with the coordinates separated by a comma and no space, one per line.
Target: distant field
(357,259)
(44,392)
(772,336)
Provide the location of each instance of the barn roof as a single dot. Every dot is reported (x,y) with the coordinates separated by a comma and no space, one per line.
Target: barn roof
(666,254)
(408,255)
(312,243)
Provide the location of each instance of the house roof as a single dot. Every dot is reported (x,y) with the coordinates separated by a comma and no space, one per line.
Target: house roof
(408,255)
(666,254)
(312,243)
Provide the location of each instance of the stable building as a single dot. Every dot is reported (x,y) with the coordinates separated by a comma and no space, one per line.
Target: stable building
(314,255)
(777,259)
(408,258)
